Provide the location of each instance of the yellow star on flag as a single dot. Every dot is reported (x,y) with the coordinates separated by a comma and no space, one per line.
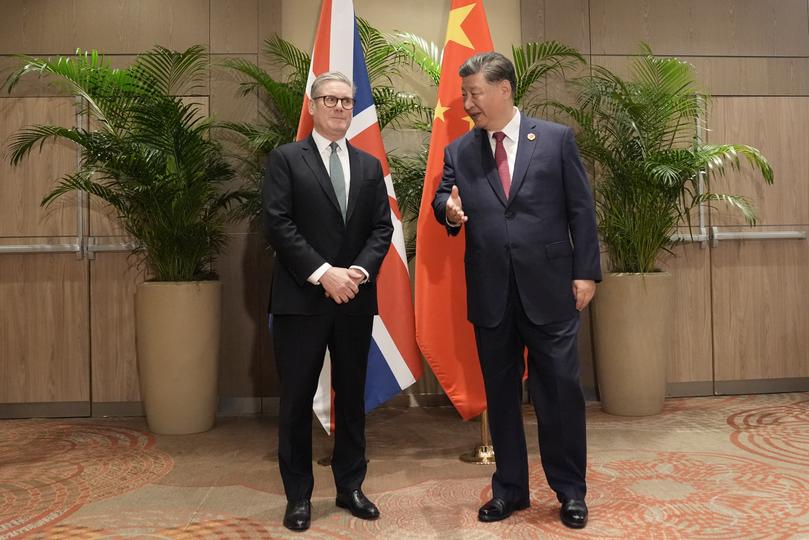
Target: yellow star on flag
(439,111)
(454,31)
(471,122)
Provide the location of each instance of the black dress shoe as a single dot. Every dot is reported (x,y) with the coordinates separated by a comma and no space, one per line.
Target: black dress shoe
(497,509)
(574,513)
(358,504)
(298,515)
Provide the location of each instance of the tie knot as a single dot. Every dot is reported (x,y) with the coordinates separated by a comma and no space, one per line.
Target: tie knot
(334,146)
(498,136)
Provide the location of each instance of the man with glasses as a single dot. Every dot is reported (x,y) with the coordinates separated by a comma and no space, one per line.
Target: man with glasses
(326,214)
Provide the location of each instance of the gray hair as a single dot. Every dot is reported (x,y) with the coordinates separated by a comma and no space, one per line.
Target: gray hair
(494,66)
(331,76)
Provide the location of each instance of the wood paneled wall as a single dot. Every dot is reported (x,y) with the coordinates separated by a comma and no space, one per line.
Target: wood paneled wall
(740,308)
(66,323)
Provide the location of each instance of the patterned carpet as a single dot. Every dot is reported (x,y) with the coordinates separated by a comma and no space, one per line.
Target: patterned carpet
(707,468)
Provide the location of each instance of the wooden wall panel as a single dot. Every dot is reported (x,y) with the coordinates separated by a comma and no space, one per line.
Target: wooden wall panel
(244,316)
(697,27)
(691,357)
(22,187)
(228,105)
(568,21)
(778,127)
(753,76)
(760,294)
(736,76)
(269,19)
(44,333)
(51,27)
(585,347)
(532,19)
(234,26)
(112,306)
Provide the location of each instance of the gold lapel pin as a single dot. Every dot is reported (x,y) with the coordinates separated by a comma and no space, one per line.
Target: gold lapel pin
(531,136)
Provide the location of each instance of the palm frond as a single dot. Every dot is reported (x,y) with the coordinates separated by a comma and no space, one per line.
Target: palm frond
(534,61)
(171,72)
(383,58)
(397,108)
(421,53)
(29,138)
(285,54)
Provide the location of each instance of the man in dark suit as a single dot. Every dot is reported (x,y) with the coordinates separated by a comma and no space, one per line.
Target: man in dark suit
(517,185)
(327,216)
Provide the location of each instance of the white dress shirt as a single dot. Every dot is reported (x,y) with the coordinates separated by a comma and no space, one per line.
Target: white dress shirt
(324,150)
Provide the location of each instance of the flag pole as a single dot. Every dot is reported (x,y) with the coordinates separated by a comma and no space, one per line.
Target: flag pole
(482,454)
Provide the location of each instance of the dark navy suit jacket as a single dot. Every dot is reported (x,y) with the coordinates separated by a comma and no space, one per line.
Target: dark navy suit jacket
(545,230)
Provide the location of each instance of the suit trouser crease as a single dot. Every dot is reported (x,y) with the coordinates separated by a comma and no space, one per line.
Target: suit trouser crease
(300,345)
(554,387)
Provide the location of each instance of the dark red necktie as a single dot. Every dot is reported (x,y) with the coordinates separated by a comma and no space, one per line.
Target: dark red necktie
(501,159)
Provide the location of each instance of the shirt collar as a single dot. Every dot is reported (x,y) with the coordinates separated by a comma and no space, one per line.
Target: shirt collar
(323,143)
(512,129)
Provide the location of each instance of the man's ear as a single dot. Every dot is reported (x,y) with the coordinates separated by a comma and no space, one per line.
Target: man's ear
(505,88)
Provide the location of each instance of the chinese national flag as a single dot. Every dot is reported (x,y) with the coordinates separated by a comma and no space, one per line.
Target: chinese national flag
(445,336)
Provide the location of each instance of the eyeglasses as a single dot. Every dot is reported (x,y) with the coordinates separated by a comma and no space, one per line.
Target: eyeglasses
(331,101)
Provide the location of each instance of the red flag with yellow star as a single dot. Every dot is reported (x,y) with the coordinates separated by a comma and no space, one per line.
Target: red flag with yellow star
(445,336)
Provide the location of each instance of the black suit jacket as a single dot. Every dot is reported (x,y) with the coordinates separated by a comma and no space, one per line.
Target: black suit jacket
(303,224)
(545,230)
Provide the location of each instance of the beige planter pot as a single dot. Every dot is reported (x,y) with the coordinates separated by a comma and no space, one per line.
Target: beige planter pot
(177,335)
(632,321)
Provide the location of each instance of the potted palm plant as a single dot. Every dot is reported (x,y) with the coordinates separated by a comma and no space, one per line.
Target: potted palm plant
(652,171)
(150,157)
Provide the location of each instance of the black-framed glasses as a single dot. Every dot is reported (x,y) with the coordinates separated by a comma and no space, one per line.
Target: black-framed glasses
(331,101)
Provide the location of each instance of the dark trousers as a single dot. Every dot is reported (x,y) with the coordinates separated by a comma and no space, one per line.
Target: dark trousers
(553,384)
(300,346)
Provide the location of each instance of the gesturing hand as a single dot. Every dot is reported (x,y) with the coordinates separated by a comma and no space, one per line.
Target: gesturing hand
(455,215)
(340,284)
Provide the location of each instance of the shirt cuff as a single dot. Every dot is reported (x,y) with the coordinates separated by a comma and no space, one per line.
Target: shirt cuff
(314,279)
(364,271)
(450,224)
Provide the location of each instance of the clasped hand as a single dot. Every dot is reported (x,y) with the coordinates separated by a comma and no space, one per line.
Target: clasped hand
(342,284)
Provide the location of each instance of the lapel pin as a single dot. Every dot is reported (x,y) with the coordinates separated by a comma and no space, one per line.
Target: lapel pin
(531,136)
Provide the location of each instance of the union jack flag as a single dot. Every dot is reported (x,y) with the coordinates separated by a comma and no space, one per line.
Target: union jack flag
(394,362)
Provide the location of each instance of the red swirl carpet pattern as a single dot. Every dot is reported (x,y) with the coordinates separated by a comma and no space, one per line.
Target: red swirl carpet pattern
(706,468)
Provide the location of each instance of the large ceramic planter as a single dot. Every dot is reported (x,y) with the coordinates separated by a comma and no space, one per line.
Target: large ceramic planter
(632,321)
(177,334)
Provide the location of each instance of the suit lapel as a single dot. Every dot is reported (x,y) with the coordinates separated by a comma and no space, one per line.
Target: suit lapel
(313,160)
(525,151)
(356,179)
(489,166)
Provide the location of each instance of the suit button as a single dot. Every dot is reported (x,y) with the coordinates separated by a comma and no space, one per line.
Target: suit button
(509,215)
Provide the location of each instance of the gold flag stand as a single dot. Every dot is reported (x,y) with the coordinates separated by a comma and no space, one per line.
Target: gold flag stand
(483,454)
